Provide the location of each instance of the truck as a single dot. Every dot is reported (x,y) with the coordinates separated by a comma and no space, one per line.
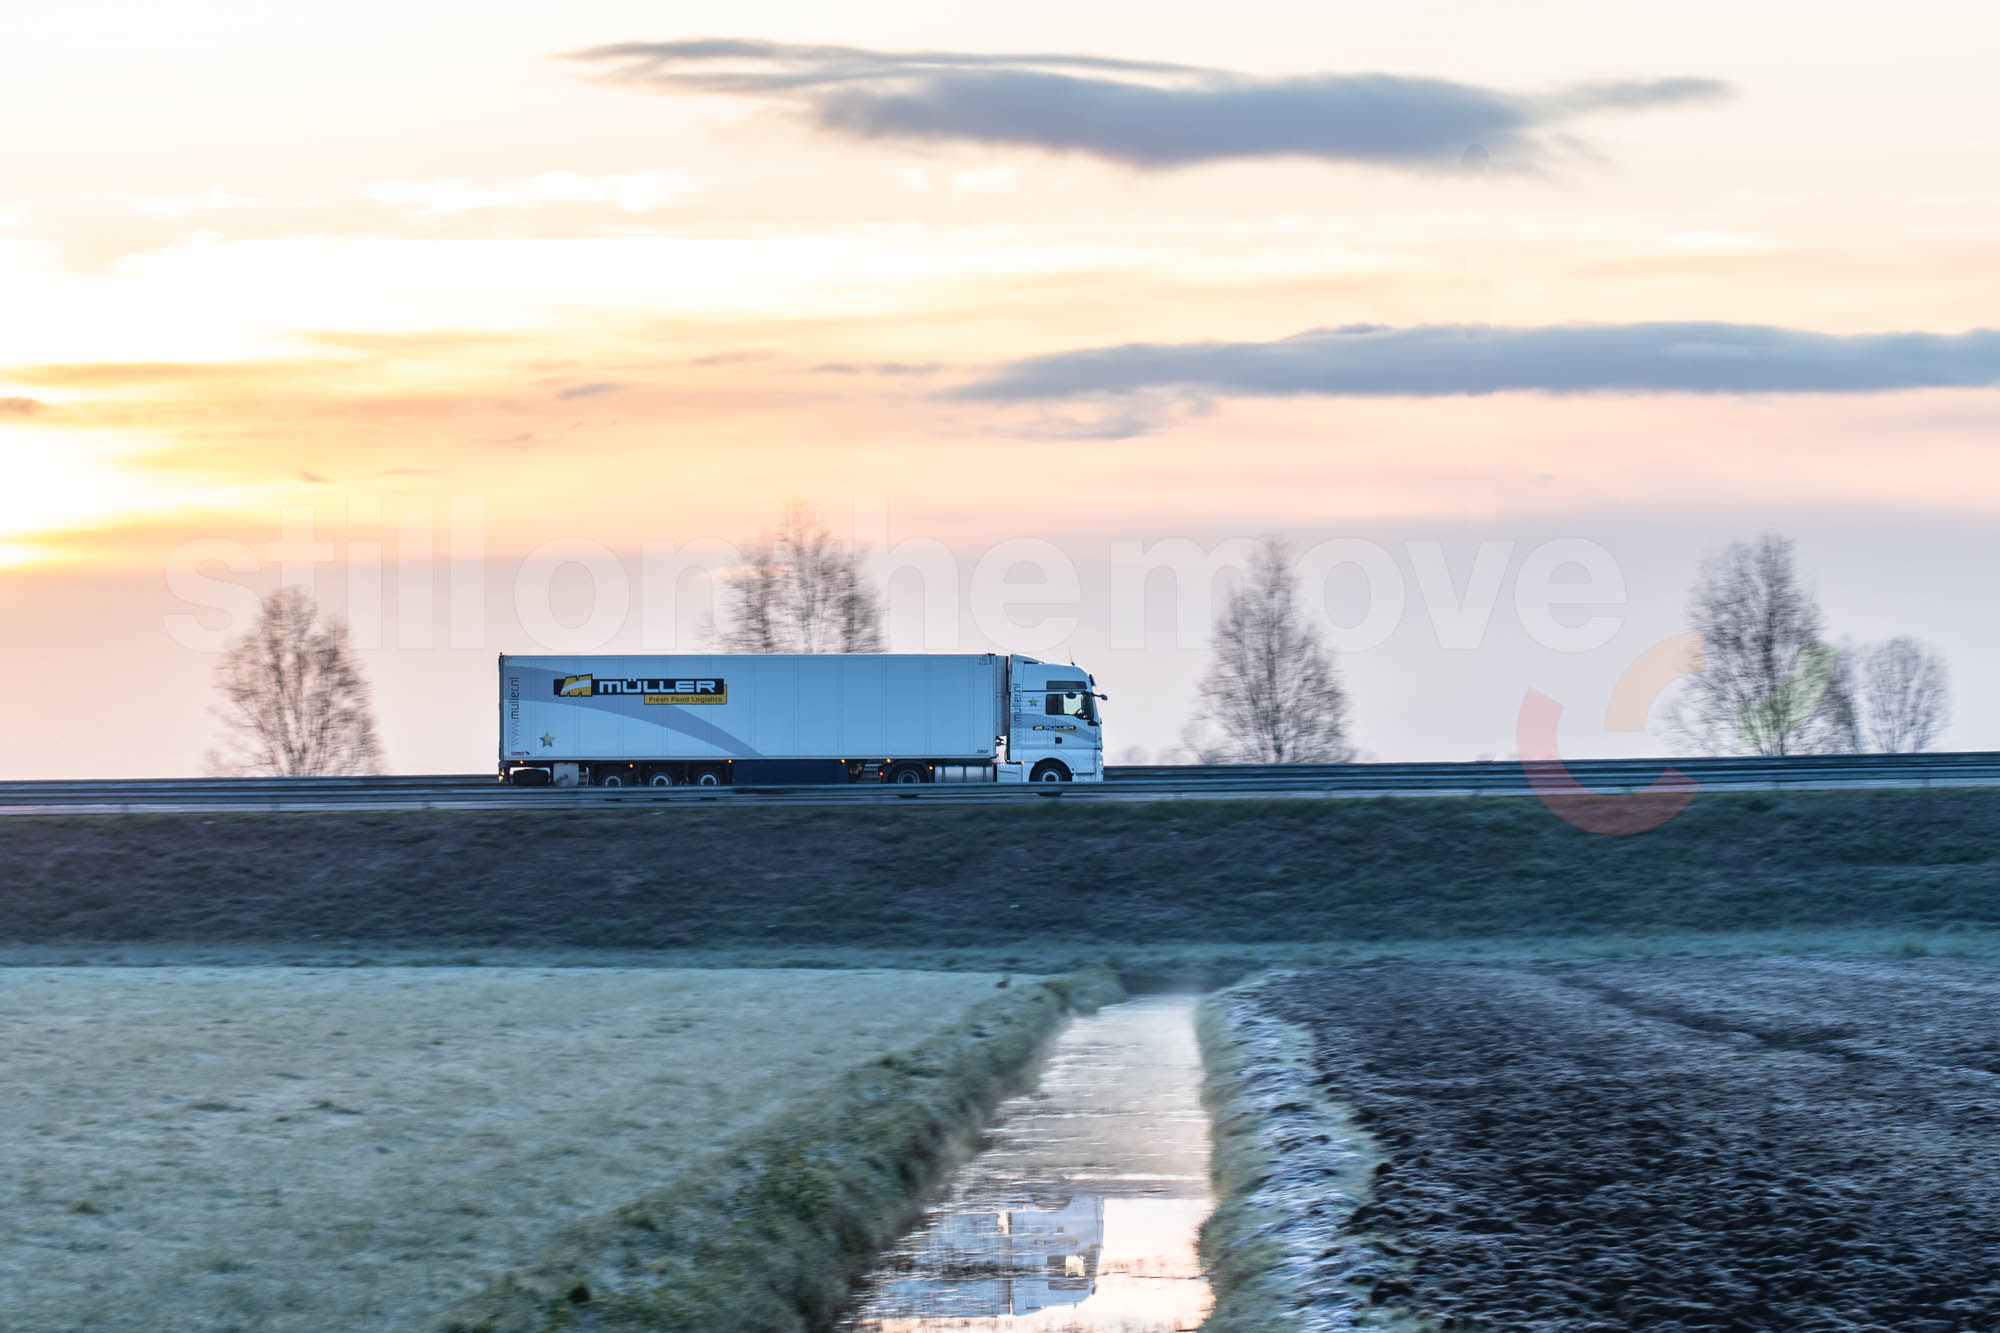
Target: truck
(722,719)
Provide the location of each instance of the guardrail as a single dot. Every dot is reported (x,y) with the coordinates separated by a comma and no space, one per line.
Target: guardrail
(1977,767)
(1127,782)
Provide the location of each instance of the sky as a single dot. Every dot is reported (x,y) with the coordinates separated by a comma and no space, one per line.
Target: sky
(503,326)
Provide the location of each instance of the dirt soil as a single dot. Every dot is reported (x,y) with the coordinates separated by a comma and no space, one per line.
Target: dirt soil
(1790,1145)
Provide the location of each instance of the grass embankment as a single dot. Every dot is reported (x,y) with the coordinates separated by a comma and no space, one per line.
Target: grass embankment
(1034,878)
(770,1235)
(1288,1167)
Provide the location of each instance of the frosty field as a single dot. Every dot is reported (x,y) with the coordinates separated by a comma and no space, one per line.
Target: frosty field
(290,1149)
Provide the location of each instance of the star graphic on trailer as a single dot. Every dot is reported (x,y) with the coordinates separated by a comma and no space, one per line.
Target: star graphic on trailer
(547,740)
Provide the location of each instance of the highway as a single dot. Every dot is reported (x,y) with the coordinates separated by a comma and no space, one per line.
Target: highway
(1123,783)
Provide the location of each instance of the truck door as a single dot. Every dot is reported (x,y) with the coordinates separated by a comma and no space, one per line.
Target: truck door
(1056,721)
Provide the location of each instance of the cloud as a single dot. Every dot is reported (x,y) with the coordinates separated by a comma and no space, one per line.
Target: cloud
(22,407)
(133,374)
(1144,114)
(1368,360)
(631,191)
(733,357)
(1113,419)
(210,200)
(595,389)
(891,368)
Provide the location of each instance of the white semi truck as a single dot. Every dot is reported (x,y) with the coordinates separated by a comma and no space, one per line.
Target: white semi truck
(784,718)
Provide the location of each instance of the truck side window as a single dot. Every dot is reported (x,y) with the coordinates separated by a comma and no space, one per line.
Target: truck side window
(1069,698)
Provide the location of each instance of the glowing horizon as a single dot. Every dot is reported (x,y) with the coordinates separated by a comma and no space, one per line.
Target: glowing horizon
(622,285)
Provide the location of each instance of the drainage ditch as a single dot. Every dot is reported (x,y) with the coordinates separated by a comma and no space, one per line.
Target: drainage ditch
(1080,1211)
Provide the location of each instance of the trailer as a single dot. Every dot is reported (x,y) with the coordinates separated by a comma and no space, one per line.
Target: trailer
(720,719)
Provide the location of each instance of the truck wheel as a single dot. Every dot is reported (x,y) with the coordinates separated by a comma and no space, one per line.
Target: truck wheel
(1049,770)
(660,777)
(907,773)
(708,777)
(612,780)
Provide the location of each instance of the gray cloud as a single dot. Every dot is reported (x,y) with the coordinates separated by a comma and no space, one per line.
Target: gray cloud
(595,389)
(1367,360)
(1145,114)
(22,407)
(889,368)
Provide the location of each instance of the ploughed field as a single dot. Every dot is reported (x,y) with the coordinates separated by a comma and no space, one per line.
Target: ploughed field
(298,1149)
(1798,1145)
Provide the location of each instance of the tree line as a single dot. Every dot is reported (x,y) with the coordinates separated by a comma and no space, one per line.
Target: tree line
(1769,682)
(294,701)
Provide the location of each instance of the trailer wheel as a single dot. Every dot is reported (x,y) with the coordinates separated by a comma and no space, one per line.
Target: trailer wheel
(708,777)
(1049,770)
(612,780)
(907,773)
(660,777)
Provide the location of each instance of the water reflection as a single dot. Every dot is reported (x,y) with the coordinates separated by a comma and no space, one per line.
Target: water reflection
(974,1265)
(1081,1211)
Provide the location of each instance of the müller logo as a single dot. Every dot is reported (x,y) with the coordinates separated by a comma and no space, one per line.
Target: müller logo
(651,689)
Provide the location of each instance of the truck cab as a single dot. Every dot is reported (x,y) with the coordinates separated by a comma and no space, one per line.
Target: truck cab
(1054,731)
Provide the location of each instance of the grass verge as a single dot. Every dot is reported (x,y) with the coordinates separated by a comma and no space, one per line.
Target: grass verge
(1288,1168)
(770,1235)
(945,882)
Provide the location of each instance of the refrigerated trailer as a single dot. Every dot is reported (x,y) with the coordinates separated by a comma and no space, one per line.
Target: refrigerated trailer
(718,719)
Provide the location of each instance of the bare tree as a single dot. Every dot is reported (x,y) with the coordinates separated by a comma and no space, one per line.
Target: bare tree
(1905,696)
(1769,683)
(1271,691)
(801,591)
(294,701)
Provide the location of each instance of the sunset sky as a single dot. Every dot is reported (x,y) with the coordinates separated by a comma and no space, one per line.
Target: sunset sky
(460,292)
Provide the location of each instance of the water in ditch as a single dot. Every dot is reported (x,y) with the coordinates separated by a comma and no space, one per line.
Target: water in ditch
(1079,1214)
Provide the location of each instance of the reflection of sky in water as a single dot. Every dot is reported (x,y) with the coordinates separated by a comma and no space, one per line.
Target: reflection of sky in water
(1081,1213)
(1003,1263)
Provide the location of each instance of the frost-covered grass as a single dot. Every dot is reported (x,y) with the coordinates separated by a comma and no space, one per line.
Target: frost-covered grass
(924,878)
(303,1149)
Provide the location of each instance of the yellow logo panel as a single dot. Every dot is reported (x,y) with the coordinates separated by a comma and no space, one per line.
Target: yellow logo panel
(678,690)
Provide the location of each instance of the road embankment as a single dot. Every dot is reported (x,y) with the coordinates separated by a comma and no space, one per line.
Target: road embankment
(939,882)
